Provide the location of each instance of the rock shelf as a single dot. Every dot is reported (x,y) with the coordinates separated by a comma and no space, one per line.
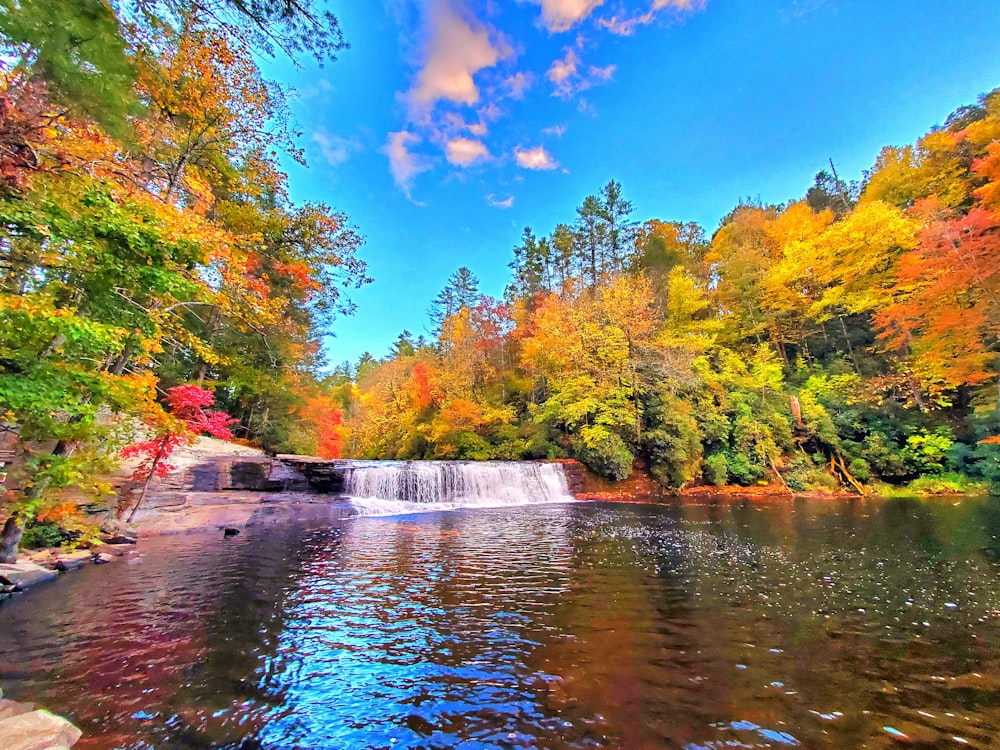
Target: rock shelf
(23,727)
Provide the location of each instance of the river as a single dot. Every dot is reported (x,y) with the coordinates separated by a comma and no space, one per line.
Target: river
(710,624)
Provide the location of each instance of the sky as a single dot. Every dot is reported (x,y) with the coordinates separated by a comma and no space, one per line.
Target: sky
(450,125)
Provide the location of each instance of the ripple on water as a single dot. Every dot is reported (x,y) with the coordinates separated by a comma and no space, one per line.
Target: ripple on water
(573,626)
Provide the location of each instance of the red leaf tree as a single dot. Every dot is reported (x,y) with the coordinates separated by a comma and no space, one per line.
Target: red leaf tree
(188,418)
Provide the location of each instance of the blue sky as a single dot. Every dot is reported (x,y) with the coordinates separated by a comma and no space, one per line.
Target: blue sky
(450,125)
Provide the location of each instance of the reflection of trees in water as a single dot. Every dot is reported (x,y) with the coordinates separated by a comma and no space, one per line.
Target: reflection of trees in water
(165,645)
(238,686)
(640,626)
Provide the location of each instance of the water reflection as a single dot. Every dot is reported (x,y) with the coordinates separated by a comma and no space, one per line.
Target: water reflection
(701,625)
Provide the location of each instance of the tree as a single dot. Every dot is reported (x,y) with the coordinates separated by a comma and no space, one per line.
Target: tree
(188,418)
(461,291)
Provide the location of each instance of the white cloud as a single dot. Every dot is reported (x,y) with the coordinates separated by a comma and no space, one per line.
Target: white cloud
(490,113)
(405,165)
(478,128)
(562,70)
(627,26)
(562,15)
(456,52)
(315,90)
(336,149)
(535,158)
(498,202)
(602,75)
(465,151)
(557,130)
(518,83)
(568,78)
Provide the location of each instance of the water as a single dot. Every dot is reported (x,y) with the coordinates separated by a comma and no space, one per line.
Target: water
(378,488)
(779,624)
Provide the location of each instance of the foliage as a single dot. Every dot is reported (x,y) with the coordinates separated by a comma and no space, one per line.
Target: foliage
(851,336)
(148,239)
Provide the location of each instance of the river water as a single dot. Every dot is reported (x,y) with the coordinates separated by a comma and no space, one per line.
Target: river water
(720,624)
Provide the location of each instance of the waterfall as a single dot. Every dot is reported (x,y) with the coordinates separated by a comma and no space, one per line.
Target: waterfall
(390,487)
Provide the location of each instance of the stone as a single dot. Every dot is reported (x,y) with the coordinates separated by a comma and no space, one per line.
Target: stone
(13,708)
(102,558)
(72,560)
(24,575)
(10,538)
(37,730)
(230,531)
(117,550)
(116,532)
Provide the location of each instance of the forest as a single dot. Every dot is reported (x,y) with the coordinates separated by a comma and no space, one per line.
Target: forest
(153,265)
(149,243)
(845,340)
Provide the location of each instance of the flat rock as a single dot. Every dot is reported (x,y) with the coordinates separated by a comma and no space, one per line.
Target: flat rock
(13,708)
(37,730)
(26,574)
(72,560)
(103,557)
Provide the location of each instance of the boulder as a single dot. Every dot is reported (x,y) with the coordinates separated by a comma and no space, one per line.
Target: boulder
(25,574)
(37,730)
(13,708)
(116,532)
(10,538)
(102,558)
(72,560)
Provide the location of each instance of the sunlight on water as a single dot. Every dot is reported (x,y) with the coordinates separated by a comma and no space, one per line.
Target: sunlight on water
(712,625)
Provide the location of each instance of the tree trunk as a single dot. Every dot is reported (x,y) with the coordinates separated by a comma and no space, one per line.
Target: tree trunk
(149,478)
(850,349)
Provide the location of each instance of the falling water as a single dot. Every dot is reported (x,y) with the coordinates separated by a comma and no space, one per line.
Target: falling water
(388,487)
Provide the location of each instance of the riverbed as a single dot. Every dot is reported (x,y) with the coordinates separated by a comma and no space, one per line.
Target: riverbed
(699,624)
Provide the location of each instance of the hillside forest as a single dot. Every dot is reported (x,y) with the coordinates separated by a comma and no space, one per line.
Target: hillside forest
(151,257)
(845,340)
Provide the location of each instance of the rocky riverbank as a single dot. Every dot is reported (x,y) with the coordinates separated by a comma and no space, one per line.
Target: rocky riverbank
(40,566)
(23,727)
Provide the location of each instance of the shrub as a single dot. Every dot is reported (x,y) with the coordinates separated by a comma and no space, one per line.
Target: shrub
(715,470)
(604,453)
(38,535)
(860,470)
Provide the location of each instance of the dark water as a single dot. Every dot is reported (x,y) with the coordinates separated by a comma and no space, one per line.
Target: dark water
(781,624)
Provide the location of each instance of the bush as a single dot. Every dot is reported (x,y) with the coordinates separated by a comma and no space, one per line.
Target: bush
(604,453)
(715,470)
(928,452)
(471,447)
(947,484)
(860,470)
(39,535)
(742,470)
(806,475)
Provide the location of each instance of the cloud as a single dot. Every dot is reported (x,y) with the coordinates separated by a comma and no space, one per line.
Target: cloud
(535,158)
(557,130)
(561,71)
(562,15)
(315,90)
(455,53)
(566,74)
(517,84)
(498,202)
(627,26)
(478,128)
(463,152)
(602,75)
(336,149)
(405,165)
